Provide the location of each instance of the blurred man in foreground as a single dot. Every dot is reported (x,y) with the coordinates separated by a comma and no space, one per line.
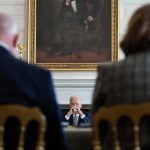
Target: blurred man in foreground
(29,85)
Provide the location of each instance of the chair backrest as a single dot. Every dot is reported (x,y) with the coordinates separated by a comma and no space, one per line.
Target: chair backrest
(24,115)
(112,115)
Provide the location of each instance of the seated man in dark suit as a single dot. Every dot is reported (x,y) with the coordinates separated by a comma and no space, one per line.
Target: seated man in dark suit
(75,116)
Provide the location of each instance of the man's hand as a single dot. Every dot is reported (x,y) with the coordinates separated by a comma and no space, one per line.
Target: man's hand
(79,111)
(90,18)
(70,112)
(74,110)
(68,2)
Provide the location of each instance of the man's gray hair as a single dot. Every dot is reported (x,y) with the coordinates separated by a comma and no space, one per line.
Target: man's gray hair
(72,97)
(7,24)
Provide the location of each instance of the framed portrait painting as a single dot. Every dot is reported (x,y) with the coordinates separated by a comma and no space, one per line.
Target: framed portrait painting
(72,34)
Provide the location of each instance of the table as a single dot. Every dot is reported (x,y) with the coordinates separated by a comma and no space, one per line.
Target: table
(79,138)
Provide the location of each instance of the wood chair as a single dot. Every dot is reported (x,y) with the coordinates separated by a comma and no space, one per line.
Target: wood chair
(112,115)
(24,115)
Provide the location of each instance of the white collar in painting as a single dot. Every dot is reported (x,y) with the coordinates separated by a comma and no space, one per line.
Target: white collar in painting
(73,4)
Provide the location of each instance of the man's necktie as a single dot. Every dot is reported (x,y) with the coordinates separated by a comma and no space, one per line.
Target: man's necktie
(75,120)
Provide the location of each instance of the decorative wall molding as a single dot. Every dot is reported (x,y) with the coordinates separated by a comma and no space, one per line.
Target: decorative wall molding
(74,83)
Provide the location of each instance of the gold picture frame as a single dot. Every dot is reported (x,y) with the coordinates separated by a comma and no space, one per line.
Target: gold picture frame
(37,56)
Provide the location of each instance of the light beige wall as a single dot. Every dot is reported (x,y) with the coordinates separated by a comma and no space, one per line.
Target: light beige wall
(17,9)
(66,83)
(126,9)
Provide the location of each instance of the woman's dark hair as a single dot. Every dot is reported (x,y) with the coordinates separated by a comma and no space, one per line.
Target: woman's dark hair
(137,38)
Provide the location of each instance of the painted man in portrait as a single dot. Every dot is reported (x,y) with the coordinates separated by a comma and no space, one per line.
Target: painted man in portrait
(77,28)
